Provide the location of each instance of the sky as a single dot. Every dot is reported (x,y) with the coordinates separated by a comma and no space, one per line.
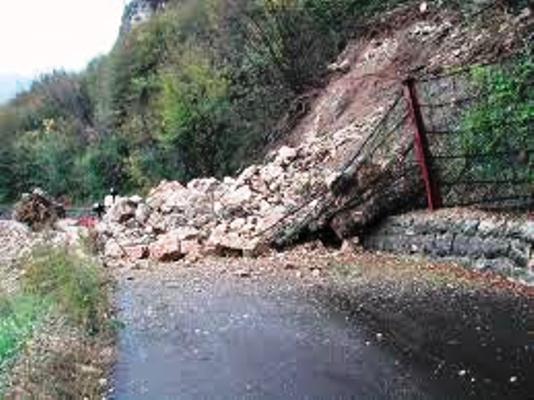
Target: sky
(38,36)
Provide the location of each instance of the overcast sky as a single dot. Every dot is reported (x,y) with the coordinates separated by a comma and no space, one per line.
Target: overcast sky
(39,35)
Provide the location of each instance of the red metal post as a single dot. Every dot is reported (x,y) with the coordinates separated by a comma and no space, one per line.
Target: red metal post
(421,146)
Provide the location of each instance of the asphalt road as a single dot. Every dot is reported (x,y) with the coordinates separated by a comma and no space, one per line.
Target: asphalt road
(198,335)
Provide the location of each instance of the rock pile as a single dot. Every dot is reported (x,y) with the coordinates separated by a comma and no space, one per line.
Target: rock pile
(210,216)
(38,210)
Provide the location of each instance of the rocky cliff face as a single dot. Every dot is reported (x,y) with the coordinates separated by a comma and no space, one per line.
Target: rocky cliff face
(138,11)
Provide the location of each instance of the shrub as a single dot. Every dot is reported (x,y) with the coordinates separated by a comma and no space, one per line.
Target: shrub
(195,114)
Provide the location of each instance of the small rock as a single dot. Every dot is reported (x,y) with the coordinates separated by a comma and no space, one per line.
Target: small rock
(290,266)
(285,155)
(142,213)
(136,199)
(109,200)
(423,7)
(113,250)
(192,248)
(122,211)
(349,246)
(139,252)
(243,273)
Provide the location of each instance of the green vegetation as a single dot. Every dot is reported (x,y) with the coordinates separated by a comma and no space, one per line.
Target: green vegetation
(500,125)
(198,89)
(56,282)
(18,317)
(74,285)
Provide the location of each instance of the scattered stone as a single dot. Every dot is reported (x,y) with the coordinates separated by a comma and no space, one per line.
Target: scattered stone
(123,210)
(139,252)
(109,200)
(350,246)
(423,7)
(192,248)
(285,156)
(113,250)
(243,273)
(142,213)
(343,66)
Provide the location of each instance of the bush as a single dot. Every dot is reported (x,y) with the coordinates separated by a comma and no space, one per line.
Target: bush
(195,114)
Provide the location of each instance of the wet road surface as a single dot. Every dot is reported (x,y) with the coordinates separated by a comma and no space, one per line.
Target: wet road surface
(215,335)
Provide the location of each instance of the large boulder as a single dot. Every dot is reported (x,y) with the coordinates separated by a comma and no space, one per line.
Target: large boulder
(38,210)
(123,210)
(167,248)
(226,243)
(159,195)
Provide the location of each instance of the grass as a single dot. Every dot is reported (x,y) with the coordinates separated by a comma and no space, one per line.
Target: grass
(18,317)
(65,292)
(74,284)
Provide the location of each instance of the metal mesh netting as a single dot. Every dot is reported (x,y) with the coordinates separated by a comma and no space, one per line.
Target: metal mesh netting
(489,166)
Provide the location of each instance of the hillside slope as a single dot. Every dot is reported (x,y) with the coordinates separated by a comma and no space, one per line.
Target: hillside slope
(240,214)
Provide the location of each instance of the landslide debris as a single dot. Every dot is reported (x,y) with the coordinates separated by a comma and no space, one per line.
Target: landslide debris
(38,210)
(298,184)
(210,216)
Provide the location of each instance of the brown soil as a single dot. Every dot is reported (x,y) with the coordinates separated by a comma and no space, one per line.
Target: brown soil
(401,44)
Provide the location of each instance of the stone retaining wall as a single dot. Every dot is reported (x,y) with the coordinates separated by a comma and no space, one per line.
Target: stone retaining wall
(485,241)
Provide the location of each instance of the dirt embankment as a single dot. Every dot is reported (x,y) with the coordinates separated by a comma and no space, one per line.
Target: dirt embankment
(400,44)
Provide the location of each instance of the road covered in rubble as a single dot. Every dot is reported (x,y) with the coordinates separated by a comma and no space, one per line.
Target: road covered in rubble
(268,329)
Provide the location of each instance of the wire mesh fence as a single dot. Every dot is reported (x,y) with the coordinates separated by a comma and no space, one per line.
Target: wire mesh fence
(481,152)
(449,134)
